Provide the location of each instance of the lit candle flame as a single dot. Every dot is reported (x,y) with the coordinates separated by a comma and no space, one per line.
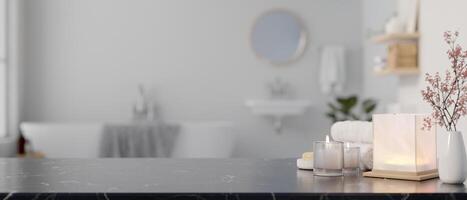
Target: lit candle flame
(327,138)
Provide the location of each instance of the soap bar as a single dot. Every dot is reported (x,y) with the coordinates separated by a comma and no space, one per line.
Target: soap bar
(307,156)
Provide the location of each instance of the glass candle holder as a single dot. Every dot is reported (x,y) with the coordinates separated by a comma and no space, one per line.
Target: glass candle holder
(351,159)
(328,158)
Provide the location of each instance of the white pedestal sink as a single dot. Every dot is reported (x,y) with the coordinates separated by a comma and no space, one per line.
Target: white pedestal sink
(278,109)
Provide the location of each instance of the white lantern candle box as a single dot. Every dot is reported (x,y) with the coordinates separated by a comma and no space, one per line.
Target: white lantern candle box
(402,148)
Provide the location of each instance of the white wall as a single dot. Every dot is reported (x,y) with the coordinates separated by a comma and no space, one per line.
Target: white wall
(436,17)
(15,66)
(84,59)
(3,69)
(382,88)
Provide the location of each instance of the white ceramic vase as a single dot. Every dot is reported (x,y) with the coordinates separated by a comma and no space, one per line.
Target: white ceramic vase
(453,161)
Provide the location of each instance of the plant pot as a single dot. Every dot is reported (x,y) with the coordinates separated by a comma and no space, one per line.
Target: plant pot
(453,161)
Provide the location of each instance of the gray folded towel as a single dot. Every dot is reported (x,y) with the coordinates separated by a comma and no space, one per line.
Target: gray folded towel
(138,140)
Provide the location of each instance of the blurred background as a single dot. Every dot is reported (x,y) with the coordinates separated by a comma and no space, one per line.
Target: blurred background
(207,78)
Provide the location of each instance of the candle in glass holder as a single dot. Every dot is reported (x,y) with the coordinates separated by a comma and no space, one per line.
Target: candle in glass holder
(351,159)
(328,158)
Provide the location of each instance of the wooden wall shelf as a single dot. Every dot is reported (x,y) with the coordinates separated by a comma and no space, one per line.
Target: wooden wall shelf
(406,71)
(402,53)
(396,37)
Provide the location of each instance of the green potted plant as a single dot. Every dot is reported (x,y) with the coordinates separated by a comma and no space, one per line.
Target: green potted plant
(345,108)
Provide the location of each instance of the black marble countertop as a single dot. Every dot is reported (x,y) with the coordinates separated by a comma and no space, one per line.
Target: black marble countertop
(198,179)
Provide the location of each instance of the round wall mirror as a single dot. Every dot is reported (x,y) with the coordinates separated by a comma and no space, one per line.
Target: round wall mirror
(278,36)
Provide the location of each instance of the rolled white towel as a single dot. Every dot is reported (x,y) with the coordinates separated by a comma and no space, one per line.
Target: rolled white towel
(352,131)
(366,155)
(366,162)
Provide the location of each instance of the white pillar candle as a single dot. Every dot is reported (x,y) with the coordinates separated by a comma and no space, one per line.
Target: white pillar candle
(329,158)
(351,158)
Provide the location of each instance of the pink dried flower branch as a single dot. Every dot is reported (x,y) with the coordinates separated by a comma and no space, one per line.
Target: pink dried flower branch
(448,96)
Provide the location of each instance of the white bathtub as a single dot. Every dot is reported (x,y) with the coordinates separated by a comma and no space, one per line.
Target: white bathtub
(81,140)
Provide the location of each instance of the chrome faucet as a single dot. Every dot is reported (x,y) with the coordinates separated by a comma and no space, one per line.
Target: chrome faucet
(278,89)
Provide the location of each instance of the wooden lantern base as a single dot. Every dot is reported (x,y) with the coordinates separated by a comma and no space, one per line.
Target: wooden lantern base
(420,176)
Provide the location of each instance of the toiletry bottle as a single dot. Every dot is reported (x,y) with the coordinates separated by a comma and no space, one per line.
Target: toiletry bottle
(140,108)
(22,145)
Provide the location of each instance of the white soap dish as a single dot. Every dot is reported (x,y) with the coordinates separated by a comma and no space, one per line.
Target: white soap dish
(305,164)
(306,161)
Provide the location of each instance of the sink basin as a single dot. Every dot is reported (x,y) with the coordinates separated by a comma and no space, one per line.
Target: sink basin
(278,107)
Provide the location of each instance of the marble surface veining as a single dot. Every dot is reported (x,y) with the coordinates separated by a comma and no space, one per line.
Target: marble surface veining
(198,179)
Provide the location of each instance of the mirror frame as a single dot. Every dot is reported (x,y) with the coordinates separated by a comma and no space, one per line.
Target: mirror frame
(302,44)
